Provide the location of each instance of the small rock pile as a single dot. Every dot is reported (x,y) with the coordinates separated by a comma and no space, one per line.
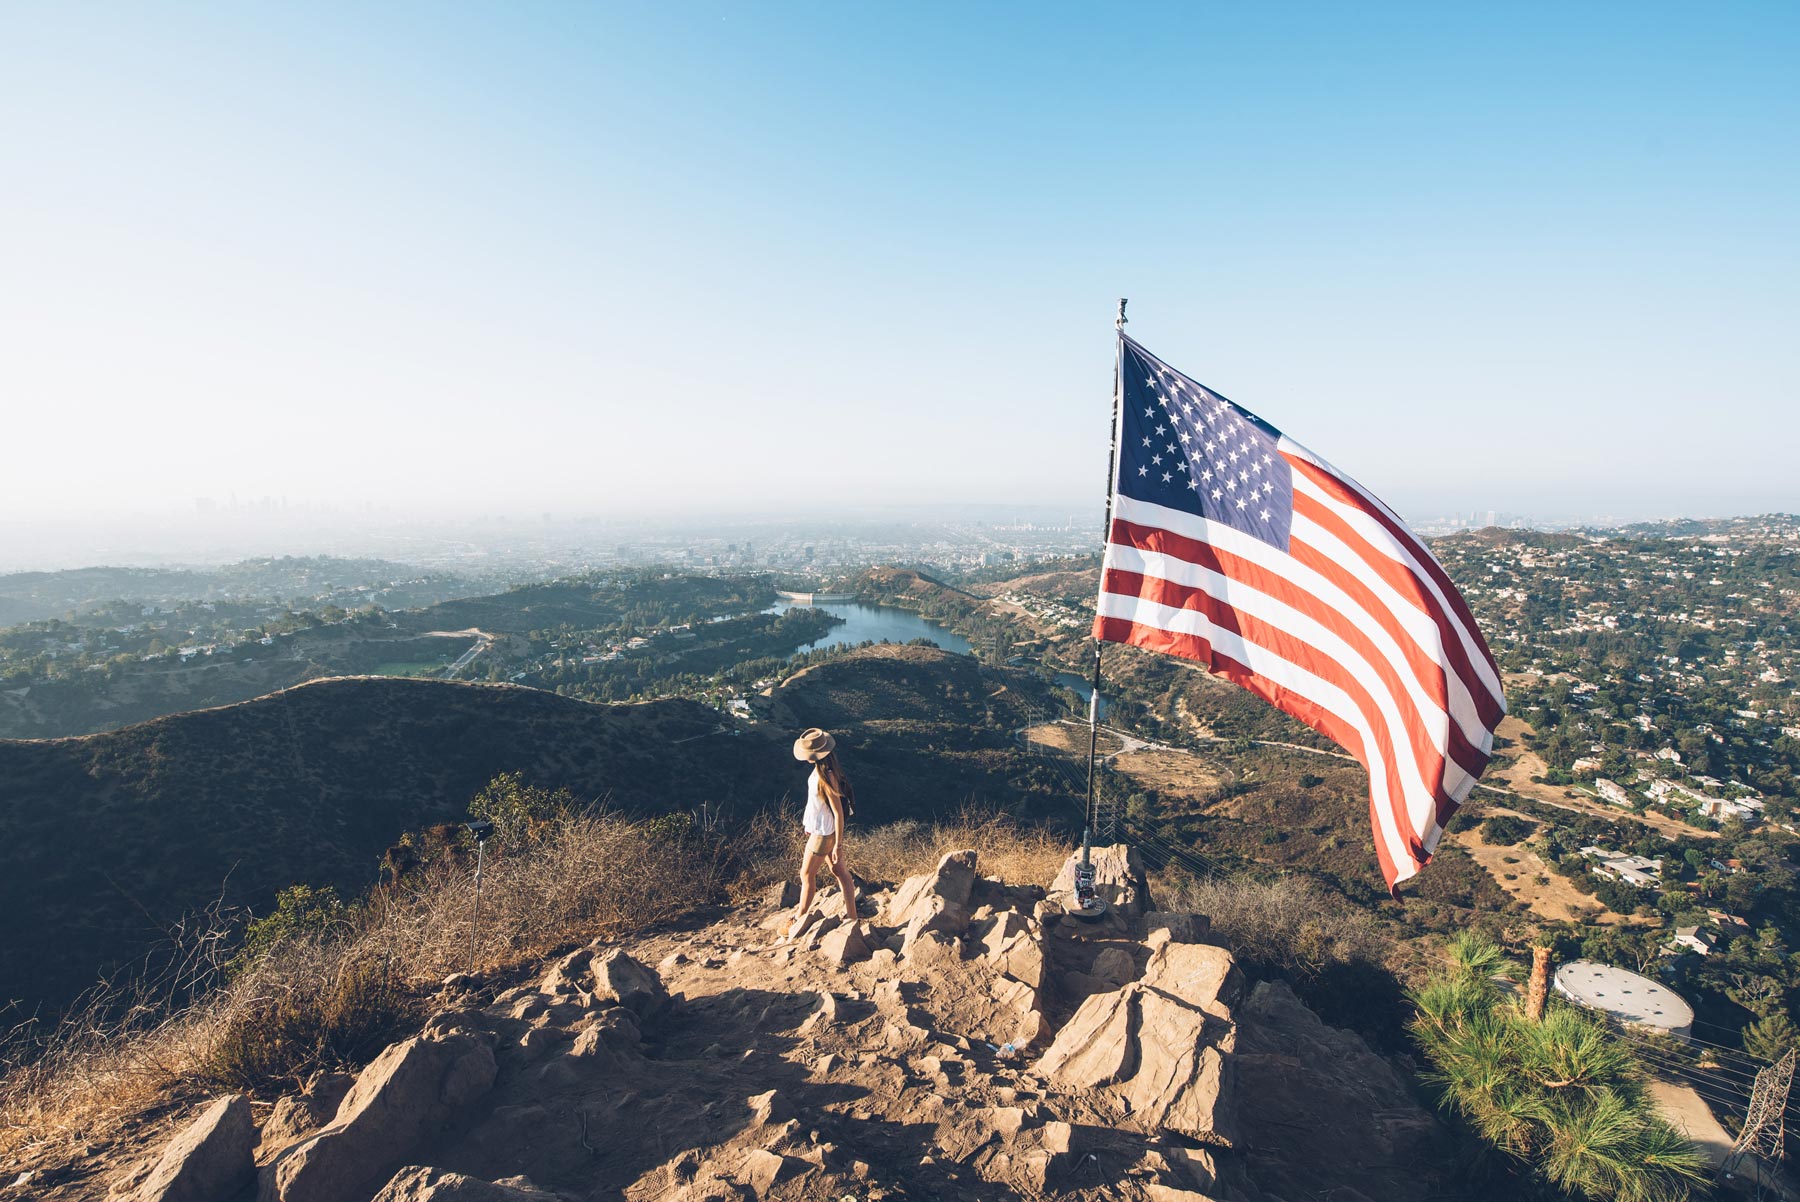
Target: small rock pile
(958,1038)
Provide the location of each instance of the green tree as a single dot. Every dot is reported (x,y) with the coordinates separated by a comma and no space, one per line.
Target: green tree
(517,809)
(1560,1097)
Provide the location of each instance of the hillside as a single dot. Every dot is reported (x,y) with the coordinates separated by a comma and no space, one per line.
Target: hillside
(107,839)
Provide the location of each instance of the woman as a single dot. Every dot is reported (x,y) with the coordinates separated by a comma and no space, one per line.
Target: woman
(829,801)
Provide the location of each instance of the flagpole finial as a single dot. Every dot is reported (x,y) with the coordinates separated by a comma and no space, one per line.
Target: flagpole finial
(1119,321)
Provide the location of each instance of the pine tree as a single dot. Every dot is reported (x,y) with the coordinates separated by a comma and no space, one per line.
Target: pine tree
(1769,1037)
(1561,1097)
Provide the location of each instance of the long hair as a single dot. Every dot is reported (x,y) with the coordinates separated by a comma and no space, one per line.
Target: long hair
(834,786)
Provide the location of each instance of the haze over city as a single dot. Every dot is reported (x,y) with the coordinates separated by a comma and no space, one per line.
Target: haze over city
(798,261)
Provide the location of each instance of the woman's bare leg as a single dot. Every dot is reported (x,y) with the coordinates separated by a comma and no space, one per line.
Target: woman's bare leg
(840,868)
(809,884)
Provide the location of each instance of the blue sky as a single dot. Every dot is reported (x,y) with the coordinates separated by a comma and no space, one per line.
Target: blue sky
(461,258)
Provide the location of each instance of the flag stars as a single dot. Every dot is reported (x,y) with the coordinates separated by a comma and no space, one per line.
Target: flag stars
(1167,477)
(1143,471)
(1156,459)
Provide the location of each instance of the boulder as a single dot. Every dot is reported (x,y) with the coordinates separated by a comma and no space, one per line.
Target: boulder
(1326,1112)
(417,1183)
(407,1095)
(845,945)
(621,981)
(762,1170)
(210,1161)
(1181,1084)
(1118,879)
(1115,967)
(940,896)
(1013,947)
(569,975)
(1198,973)
(1182,928)
(1098,1045)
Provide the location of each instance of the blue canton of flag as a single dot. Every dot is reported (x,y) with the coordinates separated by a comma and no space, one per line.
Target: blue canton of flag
(1188,448)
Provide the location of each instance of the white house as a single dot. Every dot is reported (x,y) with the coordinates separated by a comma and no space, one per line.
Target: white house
(1691,939)
(1745,809)
(1613,791)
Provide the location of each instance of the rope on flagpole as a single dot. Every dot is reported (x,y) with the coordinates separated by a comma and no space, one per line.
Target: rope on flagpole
(1088,904)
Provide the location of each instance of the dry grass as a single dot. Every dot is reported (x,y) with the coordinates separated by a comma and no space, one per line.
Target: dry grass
(324,999)
(1005,850)
(319,1000)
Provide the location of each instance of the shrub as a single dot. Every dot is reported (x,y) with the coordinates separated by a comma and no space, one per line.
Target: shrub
(1331,952)
(1506,829)
(1560,1097)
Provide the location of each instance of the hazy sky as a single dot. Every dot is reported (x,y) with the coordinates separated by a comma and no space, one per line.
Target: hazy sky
(459,257)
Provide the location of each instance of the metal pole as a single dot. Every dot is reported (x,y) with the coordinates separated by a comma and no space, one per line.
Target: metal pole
(475,923)
(1112,452)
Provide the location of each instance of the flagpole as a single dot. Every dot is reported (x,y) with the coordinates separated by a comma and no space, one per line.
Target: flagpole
(1112,455)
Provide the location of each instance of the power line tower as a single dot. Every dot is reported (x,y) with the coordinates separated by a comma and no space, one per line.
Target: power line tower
(1762,1142)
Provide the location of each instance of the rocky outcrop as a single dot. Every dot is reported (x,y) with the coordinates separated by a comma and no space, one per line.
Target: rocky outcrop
(409,1094)
(1312,1095)
(1118,879)
(210,1161)
(966,1041)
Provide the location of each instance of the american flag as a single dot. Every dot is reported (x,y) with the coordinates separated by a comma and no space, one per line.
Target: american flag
(1233,545)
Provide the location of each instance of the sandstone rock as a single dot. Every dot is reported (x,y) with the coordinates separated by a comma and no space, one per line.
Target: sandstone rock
(1194,1164)
(939,897)
(568,975)
(762,1170)
(818,930)
(210,1161)
(1019,956)
(770,1107)
(1197,973)
(417,1183)
(620,980)
(408,1094)
(845,945)
(1115,966)
(1118,879)
(1320,1103)
(1098,1045)
(926,944)
(672,961)
(1182,928)
(1180,1084)
(783,896)
(1156,1191)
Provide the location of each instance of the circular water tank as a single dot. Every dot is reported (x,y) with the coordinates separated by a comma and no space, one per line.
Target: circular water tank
(1626,997)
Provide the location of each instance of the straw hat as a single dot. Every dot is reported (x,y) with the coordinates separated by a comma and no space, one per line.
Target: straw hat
(813,744)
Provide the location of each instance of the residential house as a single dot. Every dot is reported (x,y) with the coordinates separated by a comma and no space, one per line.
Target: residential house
(1613,791)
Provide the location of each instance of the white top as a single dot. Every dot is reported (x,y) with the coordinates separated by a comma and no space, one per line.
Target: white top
(819,820)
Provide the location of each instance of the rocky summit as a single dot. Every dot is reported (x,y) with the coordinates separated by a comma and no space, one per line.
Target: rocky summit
(961,1038)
